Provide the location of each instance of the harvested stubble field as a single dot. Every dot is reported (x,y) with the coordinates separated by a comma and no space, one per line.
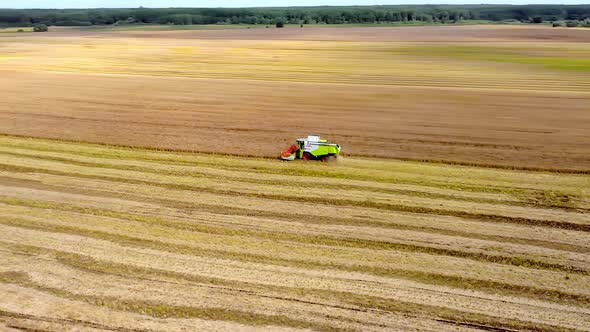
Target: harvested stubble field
(112,238)
(129,235)
(511,96)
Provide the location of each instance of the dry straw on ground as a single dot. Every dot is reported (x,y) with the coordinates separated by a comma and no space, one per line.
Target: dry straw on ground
(115,238)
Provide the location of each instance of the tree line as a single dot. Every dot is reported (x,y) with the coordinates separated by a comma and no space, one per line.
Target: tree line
(294,15)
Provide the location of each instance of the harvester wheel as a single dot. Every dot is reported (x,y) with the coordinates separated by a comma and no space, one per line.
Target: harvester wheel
(307,156)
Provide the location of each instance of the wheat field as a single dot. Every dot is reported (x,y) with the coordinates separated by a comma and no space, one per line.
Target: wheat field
(100,237)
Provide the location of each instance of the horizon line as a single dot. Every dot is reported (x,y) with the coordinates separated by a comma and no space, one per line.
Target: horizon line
(296,6)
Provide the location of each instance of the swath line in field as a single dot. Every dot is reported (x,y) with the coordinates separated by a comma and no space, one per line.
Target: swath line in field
(301,182)
(325,240)
(168,311)
(420,190)
(318,200)
(190,225)
(126,240)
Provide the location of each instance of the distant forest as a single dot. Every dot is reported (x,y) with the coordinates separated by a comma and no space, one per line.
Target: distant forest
(295,15)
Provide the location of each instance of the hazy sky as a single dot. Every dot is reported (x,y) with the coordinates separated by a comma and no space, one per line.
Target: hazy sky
(241,3)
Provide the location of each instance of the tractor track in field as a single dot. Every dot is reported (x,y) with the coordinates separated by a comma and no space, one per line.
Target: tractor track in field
(179,166)
(173,247)
(573,265)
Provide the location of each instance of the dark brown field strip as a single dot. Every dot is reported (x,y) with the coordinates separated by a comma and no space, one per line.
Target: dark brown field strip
(160,310)
(492,287)
(318,200)
(315,239)
(432,141)
(231,211)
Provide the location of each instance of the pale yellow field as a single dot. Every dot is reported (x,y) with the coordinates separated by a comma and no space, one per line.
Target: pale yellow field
(110,238)
(398,63)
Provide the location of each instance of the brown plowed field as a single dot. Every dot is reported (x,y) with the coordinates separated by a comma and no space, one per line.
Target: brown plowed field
(427,93)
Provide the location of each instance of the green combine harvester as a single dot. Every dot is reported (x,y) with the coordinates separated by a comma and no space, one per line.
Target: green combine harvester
(312,148)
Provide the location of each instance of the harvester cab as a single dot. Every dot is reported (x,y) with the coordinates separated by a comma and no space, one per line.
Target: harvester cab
(312,148)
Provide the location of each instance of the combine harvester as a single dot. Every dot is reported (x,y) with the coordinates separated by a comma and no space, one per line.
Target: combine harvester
(312,148)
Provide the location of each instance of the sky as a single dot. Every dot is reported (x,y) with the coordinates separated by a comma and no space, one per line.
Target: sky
(245,3)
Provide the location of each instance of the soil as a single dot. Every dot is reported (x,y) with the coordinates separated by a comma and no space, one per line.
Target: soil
(547,130)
